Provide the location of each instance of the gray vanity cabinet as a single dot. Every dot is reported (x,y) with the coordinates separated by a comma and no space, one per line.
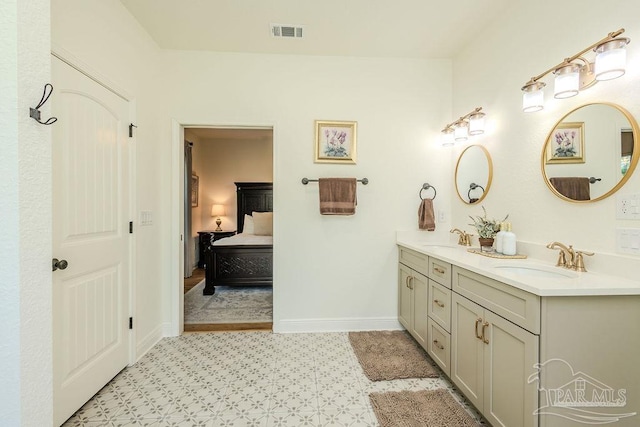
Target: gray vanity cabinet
(491,359)
(492,355)
(412,301)
(527,359)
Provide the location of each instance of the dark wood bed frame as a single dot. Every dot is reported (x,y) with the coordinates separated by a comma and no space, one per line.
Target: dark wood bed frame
(242,265)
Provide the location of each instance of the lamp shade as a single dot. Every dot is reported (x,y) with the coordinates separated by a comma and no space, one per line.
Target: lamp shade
(476,123)
(217,210)
(446,138)
(533,97)
(611,59)
(461,131)
(567,81)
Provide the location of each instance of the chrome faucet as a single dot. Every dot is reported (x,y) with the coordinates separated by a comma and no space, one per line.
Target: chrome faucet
(568,257)
(464,238)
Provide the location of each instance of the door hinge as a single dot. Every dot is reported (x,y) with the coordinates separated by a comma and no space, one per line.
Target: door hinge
(131,126)
(130,227)
(130,322)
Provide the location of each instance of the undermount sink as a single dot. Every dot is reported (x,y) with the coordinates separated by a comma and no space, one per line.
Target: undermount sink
(541,271)
(437,245)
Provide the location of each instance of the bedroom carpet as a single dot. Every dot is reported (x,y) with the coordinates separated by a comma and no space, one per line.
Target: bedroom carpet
(391,355)
(420,408)
(228,305)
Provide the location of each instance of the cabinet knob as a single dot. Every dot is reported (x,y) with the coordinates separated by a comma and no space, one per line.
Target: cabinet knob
(438,303)
(438,345)
(438,270)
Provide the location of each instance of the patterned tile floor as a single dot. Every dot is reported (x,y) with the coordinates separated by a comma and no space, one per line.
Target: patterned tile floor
(244,379)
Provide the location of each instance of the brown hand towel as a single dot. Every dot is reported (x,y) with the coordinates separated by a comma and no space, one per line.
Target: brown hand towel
(337,196)
(426,218)
(574,188)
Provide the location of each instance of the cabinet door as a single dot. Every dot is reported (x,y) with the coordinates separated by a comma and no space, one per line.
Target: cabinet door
(467,350)
(404,296)
(510,355)
(419,288)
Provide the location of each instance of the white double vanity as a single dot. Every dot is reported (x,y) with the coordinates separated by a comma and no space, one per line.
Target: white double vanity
(528,343)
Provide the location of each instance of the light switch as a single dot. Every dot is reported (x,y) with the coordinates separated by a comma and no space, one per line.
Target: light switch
(628,240)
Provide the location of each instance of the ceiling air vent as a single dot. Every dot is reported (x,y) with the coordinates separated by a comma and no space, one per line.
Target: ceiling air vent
(286,31)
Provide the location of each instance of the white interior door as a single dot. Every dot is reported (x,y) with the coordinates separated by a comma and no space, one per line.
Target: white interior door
(91,211)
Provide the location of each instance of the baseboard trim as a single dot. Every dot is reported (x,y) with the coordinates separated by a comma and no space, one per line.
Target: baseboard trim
(227,327)
(337,325)
(148,342)
(167,330)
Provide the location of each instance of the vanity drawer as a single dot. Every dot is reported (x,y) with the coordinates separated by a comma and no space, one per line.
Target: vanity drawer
(415,260)
(440,272)
(439,307)
(515,305)
(439,346)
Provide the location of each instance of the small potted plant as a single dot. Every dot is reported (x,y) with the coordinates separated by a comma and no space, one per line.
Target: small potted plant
(487,228)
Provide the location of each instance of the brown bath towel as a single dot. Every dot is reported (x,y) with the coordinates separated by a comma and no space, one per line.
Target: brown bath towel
(574,188)
(337,196)
(426,217)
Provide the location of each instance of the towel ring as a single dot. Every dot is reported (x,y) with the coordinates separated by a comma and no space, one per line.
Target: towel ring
(427,186)
(473,186)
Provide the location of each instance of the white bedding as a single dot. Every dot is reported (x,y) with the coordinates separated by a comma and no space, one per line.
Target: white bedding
(244,239)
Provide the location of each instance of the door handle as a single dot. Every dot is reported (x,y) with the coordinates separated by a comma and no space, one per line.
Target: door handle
(57,264)
(484,326)
(478,320)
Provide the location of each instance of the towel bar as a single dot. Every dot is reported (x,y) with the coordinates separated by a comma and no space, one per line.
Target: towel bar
(305,181)
(427,186)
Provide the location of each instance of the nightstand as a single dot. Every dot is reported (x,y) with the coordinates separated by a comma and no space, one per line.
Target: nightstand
(206,239)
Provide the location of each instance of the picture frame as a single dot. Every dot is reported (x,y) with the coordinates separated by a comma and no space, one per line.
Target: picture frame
(335,142)
(566,144)
(195,183)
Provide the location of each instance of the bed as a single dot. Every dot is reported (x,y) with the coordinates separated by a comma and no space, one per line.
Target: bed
(244,259)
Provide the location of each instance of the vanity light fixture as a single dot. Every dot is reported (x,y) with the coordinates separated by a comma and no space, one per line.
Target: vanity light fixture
(576,73)
(470,124)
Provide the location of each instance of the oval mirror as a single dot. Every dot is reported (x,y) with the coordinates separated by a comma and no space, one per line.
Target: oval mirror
(474,172)
(590,153)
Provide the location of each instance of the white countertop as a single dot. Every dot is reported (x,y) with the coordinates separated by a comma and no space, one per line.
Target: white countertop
(578,284)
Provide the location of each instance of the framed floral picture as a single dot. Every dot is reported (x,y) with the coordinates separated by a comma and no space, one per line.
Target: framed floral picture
(566,144)
(335,142)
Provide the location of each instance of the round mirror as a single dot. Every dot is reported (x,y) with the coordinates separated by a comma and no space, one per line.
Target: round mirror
(590,153)
(474,172)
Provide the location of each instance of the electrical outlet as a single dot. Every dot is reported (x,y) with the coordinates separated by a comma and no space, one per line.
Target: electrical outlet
(442,216)
(628,206)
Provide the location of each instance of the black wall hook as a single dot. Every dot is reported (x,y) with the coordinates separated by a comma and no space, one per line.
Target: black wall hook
(34,113)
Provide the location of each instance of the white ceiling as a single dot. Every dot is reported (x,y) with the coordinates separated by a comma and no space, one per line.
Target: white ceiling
(369,28)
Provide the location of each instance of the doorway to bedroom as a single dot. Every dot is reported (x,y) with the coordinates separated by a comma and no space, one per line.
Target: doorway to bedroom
(223,291)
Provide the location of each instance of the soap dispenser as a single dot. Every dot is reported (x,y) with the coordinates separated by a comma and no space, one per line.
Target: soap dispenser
(509,241)
(500,238)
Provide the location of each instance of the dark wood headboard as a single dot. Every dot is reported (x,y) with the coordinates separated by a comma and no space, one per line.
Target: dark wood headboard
(253,197)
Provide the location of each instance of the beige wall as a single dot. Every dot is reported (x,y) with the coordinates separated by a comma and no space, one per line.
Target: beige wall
(330,273)
(25,216)
(221,163)
(490,73)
